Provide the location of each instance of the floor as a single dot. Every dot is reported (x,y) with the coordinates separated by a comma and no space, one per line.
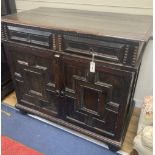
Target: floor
(131,132)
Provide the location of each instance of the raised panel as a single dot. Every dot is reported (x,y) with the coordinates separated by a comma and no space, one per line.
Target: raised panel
(108,49)
(96,104)
(35,83)
(71,70)
(102,49)
(18,36)
(92,97)
(30,36)
(34,77)
(89,99)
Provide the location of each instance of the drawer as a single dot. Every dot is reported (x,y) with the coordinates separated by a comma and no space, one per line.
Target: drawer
(110,51)
(107,49)
(18,36)
(30,36)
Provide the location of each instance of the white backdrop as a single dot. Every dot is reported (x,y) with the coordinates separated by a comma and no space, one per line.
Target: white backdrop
(126,6)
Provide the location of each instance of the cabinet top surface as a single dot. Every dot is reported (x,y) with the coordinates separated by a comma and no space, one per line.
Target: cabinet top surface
(134,27)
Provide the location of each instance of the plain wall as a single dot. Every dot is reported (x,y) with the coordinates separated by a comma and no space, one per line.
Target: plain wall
(123,6)
(145,80)
(142,7)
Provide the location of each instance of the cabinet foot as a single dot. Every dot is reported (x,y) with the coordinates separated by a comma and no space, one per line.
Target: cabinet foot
(113,148)
(23,112)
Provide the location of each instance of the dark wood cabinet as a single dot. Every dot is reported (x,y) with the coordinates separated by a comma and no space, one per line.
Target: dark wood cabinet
(7,7)
(50,64)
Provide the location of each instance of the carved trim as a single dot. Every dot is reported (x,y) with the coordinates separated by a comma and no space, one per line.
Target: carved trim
(31,71)
(126,54)
(94,41)
(54,41)
(50,87)
(19,80)
(134,56)
(102,121)
(18,74)
(101,84)
(4,32)
(18,77)
(110,51)
(50,84)
(21,62)
(64,123)
(29,36)
(75,120)
(79,78)
(112,107)
(105,132)
(35,93)
(84,109)
(100,87)
(70,92)
(60,42)
(40,67)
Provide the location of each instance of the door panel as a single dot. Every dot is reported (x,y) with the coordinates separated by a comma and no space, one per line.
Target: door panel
(64,86)
(95,104)
(33,73)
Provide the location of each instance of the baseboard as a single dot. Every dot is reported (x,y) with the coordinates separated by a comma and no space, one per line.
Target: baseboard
(138,103)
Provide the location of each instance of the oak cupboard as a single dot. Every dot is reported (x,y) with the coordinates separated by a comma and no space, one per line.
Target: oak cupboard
(77,68)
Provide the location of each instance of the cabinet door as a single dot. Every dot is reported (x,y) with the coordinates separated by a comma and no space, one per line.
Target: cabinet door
(96,101)
(33,71)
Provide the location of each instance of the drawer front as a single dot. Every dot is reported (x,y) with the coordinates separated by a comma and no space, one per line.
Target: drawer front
(41,38)
(108,50)
(97,101)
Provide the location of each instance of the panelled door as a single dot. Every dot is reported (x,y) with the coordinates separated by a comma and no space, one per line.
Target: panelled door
(64,86)
(34,76)
(95,101)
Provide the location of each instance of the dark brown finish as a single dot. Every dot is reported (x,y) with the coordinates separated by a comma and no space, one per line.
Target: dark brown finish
(7,7)
(50,64)
(87,22)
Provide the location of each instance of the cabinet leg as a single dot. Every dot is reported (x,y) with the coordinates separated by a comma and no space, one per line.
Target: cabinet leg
(23,112)
(113,148)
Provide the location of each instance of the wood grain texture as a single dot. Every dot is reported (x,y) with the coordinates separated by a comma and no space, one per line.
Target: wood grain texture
(131,132)
(49,52)
(132,27)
